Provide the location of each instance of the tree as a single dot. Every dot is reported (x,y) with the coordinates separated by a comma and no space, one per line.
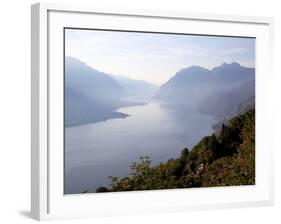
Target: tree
(215,147)
(228,160)
(184,155)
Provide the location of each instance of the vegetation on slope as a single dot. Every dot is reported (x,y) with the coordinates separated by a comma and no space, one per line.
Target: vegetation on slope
(224,160)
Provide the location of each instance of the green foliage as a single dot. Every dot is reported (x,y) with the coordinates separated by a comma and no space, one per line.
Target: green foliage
(143,176)
(228,159)
(238,167)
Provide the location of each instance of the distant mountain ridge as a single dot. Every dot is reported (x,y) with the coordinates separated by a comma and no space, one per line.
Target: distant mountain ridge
(90,95)
(135,87)
(91,82)
(224,87)
(232,102)
(233,73)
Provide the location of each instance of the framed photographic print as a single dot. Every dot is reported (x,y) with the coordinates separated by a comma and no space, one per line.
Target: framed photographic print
(138,111)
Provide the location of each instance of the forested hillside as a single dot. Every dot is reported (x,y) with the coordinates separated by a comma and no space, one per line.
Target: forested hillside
(224,160)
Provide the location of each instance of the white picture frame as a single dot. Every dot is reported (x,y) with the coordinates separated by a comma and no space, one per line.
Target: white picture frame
(47,198)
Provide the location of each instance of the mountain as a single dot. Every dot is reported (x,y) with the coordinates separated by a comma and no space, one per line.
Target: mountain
(229,103)
(233,73)
(135,87)
(182,89)
(90,95)
(228,86)
(90,82)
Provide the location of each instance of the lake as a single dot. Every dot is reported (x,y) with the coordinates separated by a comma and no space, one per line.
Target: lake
(97,150)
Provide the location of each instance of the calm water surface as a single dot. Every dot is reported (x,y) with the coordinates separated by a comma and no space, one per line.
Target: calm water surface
(98,150)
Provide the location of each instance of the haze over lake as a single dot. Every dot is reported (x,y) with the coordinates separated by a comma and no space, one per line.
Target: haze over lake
(98,150)
(132,94)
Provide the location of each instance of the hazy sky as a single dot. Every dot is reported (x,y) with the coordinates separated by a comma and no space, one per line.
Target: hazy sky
(154,57)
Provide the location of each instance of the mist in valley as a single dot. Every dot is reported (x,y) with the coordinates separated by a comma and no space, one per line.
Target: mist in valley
(147,108)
